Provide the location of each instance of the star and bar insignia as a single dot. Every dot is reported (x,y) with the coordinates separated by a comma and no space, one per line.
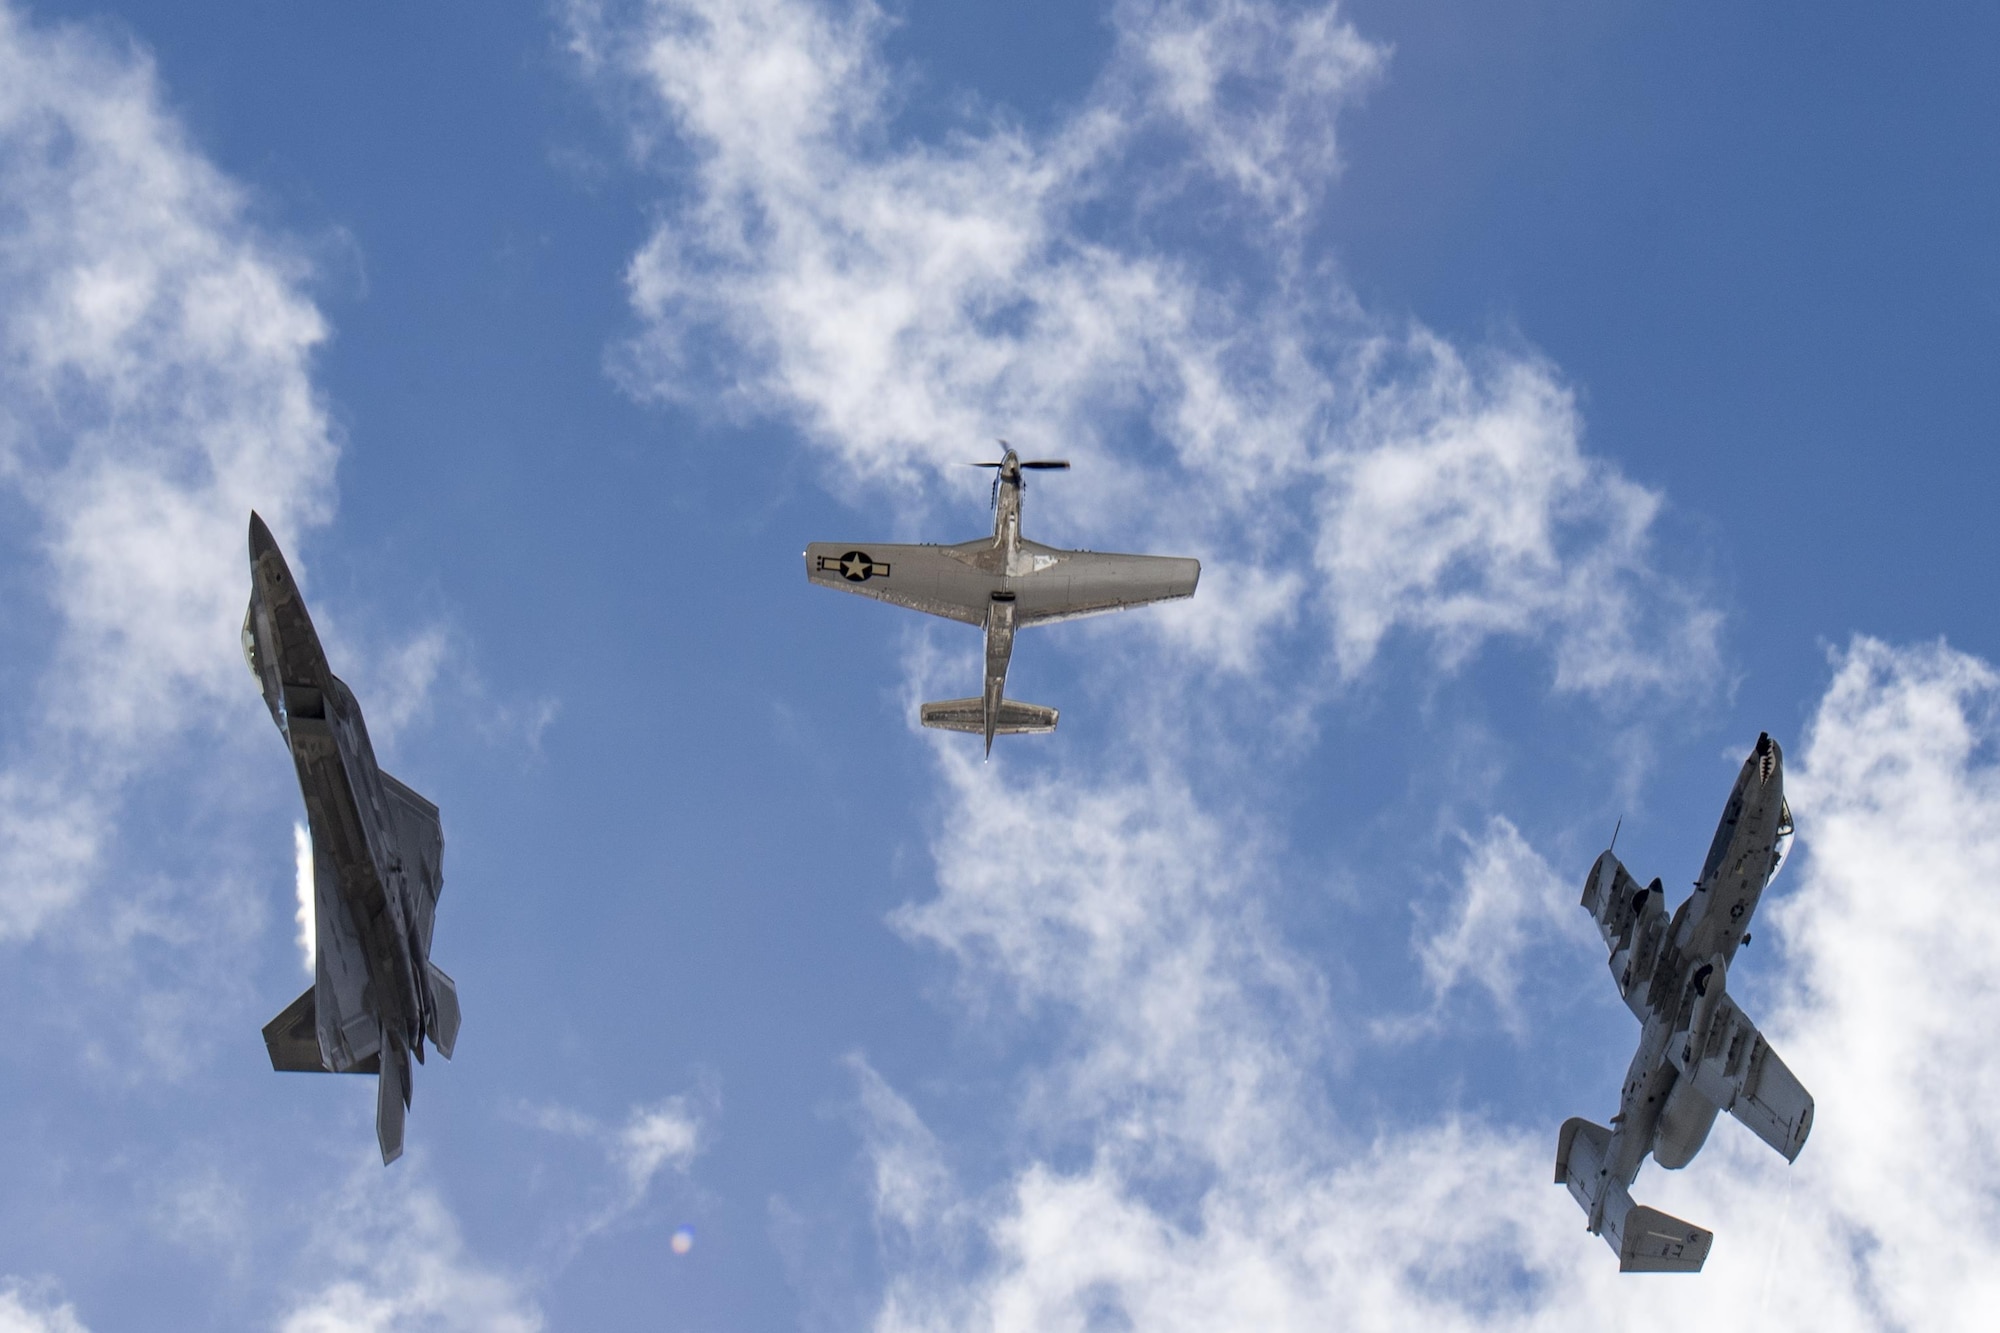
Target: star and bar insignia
(855,566)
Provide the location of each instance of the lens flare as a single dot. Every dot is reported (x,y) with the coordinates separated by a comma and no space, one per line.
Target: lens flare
(683,1240)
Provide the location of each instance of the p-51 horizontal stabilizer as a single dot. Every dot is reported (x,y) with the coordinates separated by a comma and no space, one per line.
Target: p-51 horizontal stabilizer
(1014,718)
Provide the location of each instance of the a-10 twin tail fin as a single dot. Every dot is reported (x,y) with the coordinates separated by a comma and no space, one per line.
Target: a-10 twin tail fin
(1645,1240)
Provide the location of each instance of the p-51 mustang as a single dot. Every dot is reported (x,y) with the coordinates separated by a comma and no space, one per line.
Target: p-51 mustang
(1000,583)
(378,866)
(1698,1053)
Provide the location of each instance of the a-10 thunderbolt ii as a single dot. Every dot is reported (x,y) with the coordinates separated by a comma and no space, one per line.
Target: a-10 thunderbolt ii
(1698,1052)
(1000,583)
(378,865)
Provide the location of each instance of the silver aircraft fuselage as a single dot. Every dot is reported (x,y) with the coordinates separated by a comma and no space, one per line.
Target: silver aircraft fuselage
(1698,1053)
(1671,991)
(1002,584)
(377,865)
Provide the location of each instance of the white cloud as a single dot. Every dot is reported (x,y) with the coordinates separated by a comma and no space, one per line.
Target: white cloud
(154,386)
(899,300)
(654,1139)
(1257,87)
(913,1189)
(21,1313)
(903,301)
(402,1265)
(665,1136)
(1895,937)
(1470,510)
(1875,972)
(1134,914)
(1508,900)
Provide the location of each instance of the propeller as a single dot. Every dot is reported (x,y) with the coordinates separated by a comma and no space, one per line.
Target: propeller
(1037,464)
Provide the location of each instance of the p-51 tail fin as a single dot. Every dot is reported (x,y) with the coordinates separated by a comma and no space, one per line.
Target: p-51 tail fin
(1645,1240)
(1013,717)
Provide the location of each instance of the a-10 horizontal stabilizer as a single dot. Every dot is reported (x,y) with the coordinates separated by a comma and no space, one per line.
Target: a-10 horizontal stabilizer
(1652,1242)
(1013,718)
(1645,1240)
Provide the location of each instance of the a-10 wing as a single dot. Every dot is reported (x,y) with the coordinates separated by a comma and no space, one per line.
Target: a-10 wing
(1730,1062)
(1736,1069)
(1633,921)
(958,582)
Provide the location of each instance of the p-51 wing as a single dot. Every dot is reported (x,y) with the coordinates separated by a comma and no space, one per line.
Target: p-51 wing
(958,582)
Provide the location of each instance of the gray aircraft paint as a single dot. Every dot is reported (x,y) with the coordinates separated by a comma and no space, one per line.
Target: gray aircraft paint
(378,867)
(1001,583)
(1699,1054)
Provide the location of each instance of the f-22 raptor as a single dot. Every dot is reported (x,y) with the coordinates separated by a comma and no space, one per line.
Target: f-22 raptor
(378,866)
(1000,583)
(1698,1052)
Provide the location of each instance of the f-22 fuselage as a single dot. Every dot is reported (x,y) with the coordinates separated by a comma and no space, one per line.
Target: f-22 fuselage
(378,853)
(1699,1054)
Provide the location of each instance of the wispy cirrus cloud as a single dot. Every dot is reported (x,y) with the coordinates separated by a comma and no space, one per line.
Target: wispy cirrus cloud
(1874,962)
(21,1312)
(900,299)
(1508,901)
(155,384)
(398,1261)
(656,1139)
(1347,481)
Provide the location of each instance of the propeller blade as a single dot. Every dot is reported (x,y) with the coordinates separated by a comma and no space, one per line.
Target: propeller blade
(986,465)
(1047,463)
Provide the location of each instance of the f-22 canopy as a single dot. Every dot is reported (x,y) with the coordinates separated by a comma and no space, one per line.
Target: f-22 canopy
(1001,583)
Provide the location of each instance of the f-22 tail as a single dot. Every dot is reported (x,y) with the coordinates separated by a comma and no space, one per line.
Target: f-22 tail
(1645,1240)
(292,1038)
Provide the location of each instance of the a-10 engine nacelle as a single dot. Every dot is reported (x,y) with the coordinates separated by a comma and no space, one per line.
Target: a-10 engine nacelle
(1691,1107)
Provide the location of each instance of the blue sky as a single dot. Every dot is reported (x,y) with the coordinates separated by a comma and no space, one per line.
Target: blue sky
(1556,397)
